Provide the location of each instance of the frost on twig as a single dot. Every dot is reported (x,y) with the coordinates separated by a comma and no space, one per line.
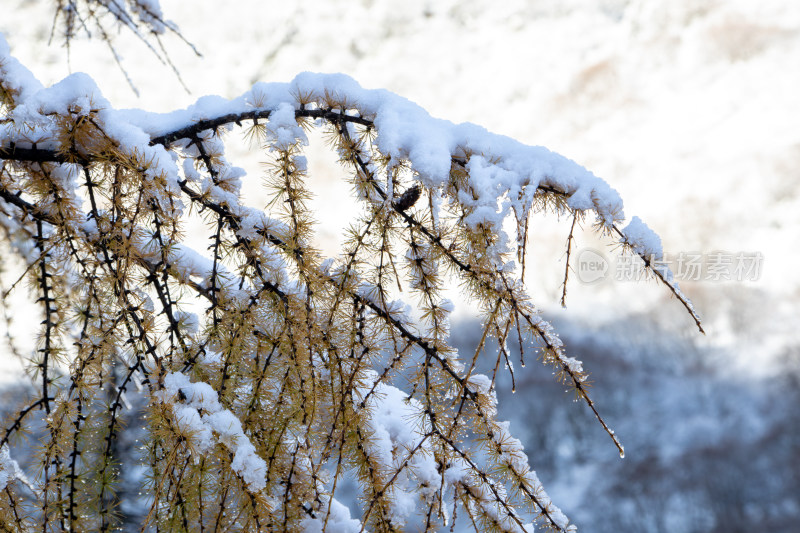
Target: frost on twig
(266,373)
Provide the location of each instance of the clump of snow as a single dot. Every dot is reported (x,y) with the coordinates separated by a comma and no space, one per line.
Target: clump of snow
(148,12)
(198,412)
(642,239)
(575,367)
(394,421)
(9,469)
(483,386)
(282,130)
(14,77)
(338,519)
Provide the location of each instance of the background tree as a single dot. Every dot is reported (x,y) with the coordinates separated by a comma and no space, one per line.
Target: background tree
(267,374)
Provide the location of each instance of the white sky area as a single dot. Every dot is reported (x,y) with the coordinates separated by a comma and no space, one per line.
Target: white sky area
(688,108)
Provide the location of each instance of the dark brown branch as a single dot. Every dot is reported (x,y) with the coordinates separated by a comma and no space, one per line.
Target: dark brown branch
(570,238)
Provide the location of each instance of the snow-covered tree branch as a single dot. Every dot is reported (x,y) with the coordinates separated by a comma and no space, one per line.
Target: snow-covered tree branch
(266,373)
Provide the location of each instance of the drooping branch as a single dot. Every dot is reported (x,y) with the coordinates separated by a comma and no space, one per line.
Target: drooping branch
(339,119)
(291,377)
(336,117)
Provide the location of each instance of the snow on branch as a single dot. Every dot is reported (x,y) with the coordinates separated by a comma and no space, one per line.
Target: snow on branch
(9,468)
(204,421)
(645,243)
(268,372)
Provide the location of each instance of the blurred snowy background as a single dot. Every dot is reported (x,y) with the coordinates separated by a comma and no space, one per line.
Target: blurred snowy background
(689,108)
